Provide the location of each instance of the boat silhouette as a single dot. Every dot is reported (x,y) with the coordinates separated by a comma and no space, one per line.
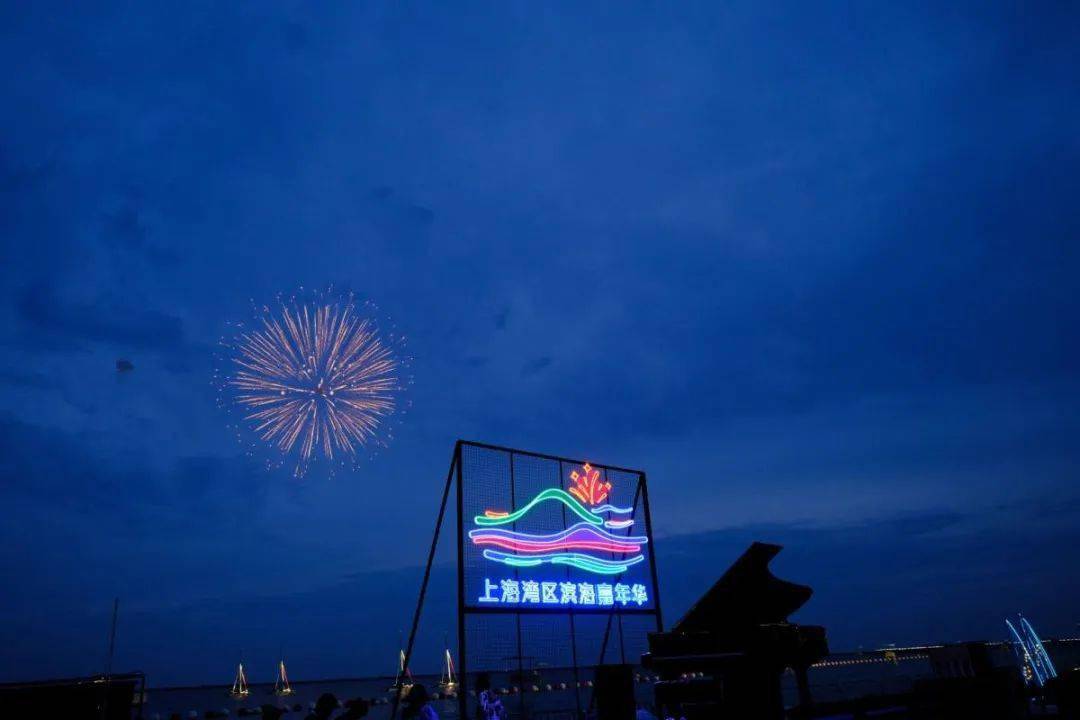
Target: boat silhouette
(281,683)
(403,680)
(447,683)
(240,684)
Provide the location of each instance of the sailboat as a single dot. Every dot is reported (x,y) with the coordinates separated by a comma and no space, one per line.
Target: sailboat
(447,683)
(403,681)
(281,684)
(240,684)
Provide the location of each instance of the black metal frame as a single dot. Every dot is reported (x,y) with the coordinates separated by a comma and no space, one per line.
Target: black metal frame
(100,686)
(454,476)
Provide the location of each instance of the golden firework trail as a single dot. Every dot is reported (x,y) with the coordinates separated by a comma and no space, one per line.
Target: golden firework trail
(315,378)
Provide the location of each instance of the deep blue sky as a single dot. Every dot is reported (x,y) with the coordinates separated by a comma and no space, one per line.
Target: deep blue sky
(814,269)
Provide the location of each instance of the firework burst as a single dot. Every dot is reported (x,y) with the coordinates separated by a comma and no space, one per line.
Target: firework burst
(315,379)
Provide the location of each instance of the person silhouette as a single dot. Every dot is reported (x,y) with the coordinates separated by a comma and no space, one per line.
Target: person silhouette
(489,706)
(356,709)
(418,704)
(324,707)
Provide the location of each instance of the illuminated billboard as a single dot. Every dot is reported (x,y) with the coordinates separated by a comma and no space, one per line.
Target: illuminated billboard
(546,533)
(555,569)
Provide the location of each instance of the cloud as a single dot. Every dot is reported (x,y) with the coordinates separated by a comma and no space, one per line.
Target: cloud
(111,319)
(124,227)
(22,180)
(127,234)
(536,366)
(831,291)
(396,218)
(923,577)
(75,472)
(911,578)
(27,378)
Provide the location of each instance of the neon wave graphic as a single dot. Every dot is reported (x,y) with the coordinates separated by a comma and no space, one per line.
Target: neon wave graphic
(492,517)
(578,560)
(612,509)
(582,536)
(586,545)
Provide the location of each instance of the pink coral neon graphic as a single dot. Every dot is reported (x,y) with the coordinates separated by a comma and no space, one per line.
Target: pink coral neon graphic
(588,488)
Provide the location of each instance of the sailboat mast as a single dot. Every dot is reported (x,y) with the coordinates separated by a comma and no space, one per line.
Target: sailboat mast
(447,682)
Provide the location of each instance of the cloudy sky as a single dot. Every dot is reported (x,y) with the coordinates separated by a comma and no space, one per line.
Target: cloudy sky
(814,269)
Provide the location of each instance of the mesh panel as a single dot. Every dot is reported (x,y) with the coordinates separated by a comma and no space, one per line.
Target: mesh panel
(540,644)
(502,481)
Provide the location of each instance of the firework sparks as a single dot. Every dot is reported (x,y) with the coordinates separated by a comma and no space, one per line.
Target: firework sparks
(314,379)
(588,487)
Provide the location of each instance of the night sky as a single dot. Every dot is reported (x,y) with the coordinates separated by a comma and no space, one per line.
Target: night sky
(813,269)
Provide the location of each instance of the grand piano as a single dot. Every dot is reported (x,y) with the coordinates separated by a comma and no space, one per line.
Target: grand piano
(725,656)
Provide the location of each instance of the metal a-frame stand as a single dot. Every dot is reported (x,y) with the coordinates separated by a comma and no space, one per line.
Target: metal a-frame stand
(454,476)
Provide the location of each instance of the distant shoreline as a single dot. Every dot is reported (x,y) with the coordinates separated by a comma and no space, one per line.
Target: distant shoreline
(910,649)
(209,686)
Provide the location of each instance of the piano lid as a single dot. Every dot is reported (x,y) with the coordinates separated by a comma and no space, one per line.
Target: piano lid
(746,595)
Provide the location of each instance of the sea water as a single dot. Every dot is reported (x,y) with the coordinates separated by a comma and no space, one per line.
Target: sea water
(839,681)
(826,684)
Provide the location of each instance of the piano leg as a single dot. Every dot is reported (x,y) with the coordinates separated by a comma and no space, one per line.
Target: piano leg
(803,683)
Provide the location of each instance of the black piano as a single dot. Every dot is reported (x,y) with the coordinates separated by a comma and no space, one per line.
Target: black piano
(724,658)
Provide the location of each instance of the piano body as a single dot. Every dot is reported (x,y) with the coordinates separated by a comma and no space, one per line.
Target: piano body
(725,657)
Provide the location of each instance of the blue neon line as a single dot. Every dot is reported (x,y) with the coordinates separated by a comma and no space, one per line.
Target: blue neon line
(583,565)
(514,560)
(612,508)
(555,537)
